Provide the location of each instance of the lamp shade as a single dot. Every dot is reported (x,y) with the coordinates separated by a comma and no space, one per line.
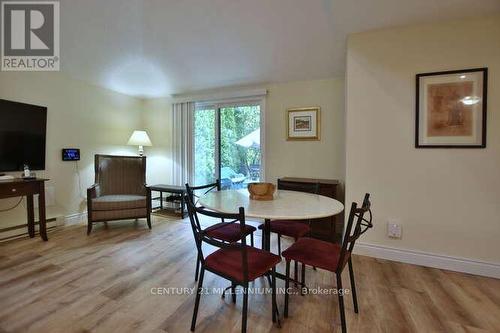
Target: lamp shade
(139,138)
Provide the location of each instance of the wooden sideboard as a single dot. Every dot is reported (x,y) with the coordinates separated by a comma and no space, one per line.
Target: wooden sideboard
(19,187)
(328,228)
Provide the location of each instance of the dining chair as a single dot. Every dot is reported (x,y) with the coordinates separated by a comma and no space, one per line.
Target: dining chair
(227,232)
(332,257)
(293,228)
(233,261)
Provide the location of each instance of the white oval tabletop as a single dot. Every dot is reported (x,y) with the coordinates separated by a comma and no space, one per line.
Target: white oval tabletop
(290,205)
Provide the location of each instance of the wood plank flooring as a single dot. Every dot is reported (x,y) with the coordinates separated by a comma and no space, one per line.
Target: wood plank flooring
(109,282)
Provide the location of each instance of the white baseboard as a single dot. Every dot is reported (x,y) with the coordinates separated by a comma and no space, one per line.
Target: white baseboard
(60,221)
(76,218)
(457,264)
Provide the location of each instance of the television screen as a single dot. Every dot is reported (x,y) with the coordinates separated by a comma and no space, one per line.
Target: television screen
(22,136)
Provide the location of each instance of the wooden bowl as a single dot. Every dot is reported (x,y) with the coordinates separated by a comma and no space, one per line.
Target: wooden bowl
(261,191)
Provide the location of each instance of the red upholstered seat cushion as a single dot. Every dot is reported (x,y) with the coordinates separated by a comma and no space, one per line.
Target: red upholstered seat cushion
(228,262)
(290,228)
(315,252)
(228,232)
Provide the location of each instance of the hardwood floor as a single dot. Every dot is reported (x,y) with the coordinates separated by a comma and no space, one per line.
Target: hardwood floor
(109,281)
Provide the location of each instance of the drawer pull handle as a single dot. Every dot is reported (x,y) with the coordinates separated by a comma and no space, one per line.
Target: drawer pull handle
(14,190)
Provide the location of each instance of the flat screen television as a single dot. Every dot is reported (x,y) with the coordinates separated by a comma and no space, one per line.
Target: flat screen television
(22,136)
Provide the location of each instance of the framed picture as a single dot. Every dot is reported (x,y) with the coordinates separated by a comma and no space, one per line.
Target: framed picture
(451,109)
(303,123)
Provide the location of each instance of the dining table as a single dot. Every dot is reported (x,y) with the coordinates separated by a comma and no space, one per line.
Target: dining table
(286,205)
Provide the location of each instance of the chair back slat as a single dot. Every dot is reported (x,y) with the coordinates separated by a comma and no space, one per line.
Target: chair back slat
(360,224)
(201,236)
(202,189)
(193,218)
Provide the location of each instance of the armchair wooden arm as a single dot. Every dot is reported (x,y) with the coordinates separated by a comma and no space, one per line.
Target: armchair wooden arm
(148,202)
(93,191)
(148,196)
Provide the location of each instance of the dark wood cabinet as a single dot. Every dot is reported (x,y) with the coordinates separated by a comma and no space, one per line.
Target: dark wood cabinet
(328,228)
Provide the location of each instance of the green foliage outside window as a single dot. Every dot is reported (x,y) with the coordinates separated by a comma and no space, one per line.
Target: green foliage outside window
(236,122)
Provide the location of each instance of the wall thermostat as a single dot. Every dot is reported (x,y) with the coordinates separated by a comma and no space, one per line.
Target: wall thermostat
(71,154)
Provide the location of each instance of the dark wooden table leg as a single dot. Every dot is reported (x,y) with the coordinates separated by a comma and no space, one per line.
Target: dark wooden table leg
(267,234)
(161,200)
(41,212)
(263,244)
(31,215)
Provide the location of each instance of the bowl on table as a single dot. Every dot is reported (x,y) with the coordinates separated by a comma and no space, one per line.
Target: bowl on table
(261,191)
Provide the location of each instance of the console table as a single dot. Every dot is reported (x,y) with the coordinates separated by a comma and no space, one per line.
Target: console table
(324,228)
(178,193)
(19,187)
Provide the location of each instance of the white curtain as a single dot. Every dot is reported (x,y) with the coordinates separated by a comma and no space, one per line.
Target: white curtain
(182,120)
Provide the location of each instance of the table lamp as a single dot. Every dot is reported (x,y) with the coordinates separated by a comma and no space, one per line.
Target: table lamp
(141,139)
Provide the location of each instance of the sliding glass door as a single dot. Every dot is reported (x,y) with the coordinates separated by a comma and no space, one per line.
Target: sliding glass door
(204,143)
(227,144)
(240,154)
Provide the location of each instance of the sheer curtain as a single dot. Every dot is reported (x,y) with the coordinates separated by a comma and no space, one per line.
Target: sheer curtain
(182,115)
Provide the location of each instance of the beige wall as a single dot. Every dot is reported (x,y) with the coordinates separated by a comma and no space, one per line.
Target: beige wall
(448,201)
(324,158)
(79,115)
(157,121)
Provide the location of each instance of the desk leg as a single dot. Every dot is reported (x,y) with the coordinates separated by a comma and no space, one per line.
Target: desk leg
(31,215)
(41,212)
(161,200)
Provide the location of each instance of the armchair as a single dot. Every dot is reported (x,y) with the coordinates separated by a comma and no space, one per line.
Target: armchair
(120,191)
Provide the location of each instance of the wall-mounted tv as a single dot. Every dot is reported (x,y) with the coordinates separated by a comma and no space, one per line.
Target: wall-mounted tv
(22,136)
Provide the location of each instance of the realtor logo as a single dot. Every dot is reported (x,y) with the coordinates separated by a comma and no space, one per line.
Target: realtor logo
(30,36)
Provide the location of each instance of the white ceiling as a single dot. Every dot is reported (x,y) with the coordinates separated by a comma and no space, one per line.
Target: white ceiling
(154,48)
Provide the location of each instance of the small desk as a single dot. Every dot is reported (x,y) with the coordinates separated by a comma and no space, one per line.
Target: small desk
(18,188)
(179,193)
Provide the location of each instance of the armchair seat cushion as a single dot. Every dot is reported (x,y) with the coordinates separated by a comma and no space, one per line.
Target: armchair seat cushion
(119,202)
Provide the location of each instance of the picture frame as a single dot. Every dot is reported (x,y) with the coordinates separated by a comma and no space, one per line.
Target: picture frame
(303,124)
(451,109)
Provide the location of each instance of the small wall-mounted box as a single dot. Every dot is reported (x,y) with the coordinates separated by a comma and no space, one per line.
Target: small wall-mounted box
(393,229)
(71,154)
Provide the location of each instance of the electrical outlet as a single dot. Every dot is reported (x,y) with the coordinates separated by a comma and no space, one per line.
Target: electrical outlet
(393,229)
